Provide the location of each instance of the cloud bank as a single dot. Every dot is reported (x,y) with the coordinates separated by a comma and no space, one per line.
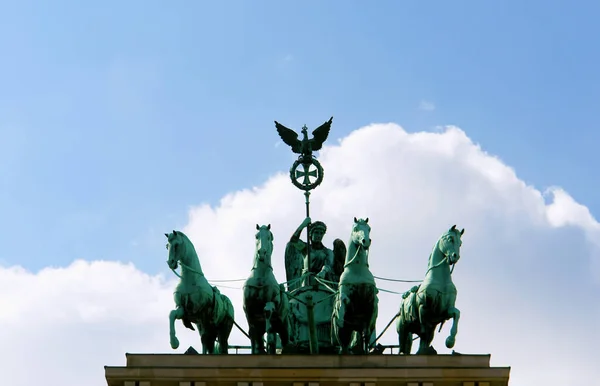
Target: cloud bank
(528,280)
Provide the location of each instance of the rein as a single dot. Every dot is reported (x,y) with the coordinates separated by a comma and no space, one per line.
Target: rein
(257,262)
(445,259)
(188,268)
(356,255)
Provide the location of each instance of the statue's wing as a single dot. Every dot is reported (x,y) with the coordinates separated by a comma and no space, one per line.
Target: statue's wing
(289,137)
(339,257)
(294,263)
(320,134)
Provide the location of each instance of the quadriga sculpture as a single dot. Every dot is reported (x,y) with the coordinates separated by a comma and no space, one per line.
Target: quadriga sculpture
(265,303)
(196,300)
(432,302)
(356,303)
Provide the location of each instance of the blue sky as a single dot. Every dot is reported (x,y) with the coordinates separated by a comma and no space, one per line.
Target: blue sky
(116,117)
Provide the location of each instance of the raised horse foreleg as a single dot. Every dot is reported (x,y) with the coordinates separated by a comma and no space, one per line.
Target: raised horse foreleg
(174,315)
(454,313)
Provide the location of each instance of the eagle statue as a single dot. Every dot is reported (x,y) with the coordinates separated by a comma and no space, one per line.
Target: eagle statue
(305,146)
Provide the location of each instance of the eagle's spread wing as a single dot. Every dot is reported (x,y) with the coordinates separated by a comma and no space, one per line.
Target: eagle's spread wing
(339,257)
(294,263)
(320,134)
(289,137)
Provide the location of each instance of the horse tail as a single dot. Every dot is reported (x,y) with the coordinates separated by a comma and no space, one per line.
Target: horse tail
(222,307)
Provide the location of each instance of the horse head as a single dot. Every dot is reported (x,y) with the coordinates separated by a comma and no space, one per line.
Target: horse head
(361,231)
(176,248)
(264,245)
(450,243)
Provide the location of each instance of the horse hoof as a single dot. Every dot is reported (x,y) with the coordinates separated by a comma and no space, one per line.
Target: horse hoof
(174,343)
(450,341)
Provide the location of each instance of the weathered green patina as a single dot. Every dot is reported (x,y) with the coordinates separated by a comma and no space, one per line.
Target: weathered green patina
(356,304)
(433,301)
(196,301)
(324,263)
(331,302)
(305,146)
(311,285)
(265,303)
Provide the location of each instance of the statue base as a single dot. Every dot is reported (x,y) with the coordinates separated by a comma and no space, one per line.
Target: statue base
(306,370)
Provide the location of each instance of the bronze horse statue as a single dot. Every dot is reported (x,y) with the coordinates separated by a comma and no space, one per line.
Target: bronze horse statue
(356,304)
(265,303)
(196,300)
(433,301)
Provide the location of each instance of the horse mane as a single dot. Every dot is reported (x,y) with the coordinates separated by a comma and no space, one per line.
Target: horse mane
(189,244)
(446,236)
(184,236)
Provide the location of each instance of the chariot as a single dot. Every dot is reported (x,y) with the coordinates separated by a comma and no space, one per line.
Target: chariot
(305,321)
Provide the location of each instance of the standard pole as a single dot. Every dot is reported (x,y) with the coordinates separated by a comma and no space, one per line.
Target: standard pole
(312,331)
(308,261)
(310,307)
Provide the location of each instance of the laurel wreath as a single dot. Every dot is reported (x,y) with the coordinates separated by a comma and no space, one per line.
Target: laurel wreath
(307,187)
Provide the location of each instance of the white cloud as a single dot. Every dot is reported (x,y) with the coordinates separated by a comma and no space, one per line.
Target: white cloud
(69,322)
(526,283)
(426,106)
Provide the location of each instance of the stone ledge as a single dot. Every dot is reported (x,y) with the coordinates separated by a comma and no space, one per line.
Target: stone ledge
(116,376)
(303,361)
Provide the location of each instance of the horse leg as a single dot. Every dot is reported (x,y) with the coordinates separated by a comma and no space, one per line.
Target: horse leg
(174,315)
(423,314)
(454,313)
(372,325)
(202,334)
(406,339)
(425,339)
(223,335)
(271,338)
(257,332)
(344,335)
(284,333)
(402,331)
(253,339)
(365,337)
(203,340)
(208,341)
(364,341)
(280,328)
(343,300)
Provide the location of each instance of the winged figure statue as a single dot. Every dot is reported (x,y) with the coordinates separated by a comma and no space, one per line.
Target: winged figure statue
(305,146)
(327,263)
